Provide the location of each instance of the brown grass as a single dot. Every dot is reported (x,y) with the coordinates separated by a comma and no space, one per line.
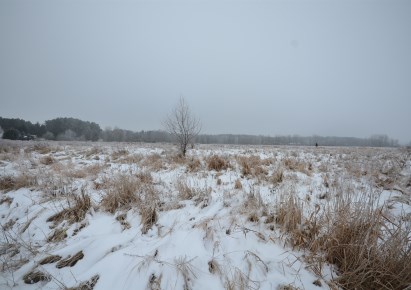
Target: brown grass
(40,148)
(57,236)
(277,177)
(154,162)
(217,163)
(130,159)
(148,217)
(184,190)
(122,193)
(369,250)
(145,177)
(47,160)
(297,165)
(78,206)
(87,285)
(119,153)
(122,218)
(35,276)
(288,212)
(9,183)
(193,165)
(70,261)
(50,259)
(238,185)
(253,165)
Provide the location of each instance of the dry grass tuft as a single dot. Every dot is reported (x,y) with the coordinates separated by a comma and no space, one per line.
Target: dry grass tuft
(370,251)
(238,185)
(217,163)
(184,190)
(9,183)
(70,261)
(148,217)
(297,165)
(35,277)
(154,282)
(127,191)
(119,153)
(154,162)
(76,210)
(122,193)
(214,267)
(91,171)
(252,165)
(122,218)
(145,177)
(277,177)
(57,236)
(40,148)
(50,259)
(47,160)
(87,285)
(194,165)
(288,212)
(130,159)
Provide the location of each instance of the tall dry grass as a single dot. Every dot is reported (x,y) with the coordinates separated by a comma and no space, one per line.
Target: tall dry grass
(370,250)
(125,192)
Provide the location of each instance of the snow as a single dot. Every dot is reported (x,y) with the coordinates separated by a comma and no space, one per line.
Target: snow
(178,248)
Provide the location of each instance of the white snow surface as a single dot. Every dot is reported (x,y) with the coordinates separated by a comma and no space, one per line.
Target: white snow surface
(189,235)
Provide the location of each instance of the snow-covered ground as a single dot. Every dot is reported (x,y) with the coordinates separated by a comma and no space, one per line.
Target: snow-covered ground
(85,205)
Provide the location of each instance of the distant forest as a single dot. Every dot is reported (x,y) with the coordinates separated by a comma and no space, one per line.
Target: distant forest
(71,129)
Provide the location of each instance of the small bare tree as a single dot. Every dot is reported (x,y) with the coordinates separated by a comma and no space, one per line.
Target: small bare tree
(182,125)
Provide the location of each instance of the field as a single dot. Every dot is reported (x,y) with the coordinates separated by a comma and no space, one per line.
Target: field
(138,216)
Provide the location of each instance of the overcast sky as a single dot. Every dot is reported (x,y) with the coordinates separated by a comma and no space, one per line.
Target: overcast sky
(340,68)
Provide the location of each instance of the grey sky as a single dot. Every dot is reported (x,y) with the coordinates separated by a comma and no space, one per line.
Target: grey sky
(329,67)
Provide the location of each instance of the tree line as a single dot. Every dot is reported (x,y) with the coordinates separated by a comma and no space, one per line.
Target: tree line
(75,129)
(55,129)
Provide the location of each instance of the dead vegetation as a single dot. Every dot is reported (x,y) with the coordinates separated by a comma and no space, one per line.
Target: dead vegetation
(57,236)
(125,192)
(148,217)
(154,162)
(253,166)
(193,165)
(35,277)
(70,261)
(277,177)
(368,246)
(294,164)
(9,183)
(369,250)
(76,210)
(87,285)
(50,259)
(47,160)
(122,193)
(217,163)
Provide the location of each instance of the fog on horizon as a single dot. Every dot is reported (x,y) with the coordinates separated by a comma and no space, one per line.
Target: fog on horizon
(313,67)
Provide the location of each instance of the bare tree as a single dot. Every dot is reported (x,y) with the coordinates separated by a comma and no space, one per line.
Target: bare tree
(182,125)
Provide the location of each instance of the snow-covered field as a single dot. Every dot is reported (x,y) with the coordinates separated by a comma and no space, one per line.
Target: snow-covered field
(136,216)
